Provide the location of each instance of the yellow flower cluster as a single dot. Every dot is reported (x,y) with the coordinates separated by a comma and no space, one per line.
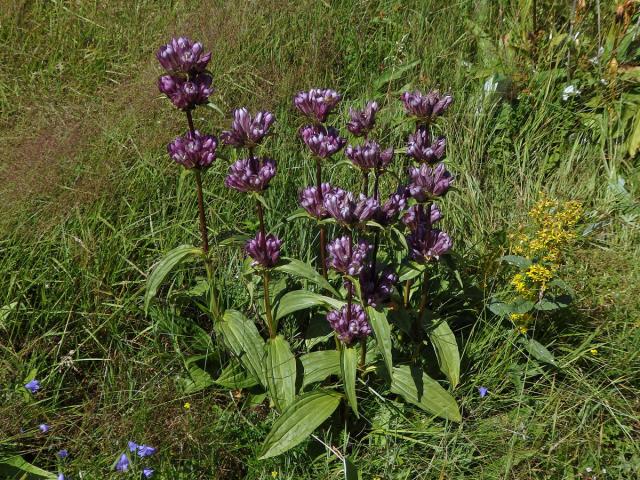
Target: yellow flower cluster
(554,229)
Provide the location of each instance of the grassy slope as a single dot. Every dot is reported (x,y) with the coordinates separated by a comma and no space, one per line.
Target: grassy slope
(74,256)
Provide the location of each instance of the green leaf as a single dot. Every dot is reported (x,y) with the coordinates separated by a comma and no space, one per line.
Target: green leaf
(299,420)
(516,260)
(418,388)
(235,376)
(538,351)
(549,303)
(302,299)
(11,467)
(348,371)
(244,340)
(319,365)
(306,271)
(393,74)
(503,309)
(382,331)
(164,266)
(280,372)
(446,348)
(198,381)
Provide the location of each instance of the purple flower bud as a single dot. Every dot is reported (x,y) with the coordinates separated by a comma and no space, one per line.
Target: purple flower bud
(43,427)
(426,107)
(33,386)
(350,325)
(316,103)
(64,453)
(251,174)
(346,258)
(186,94)
(123,463)
(421,148)
(483,391)
(145,451)
(425,244)
(247,131)
(265,252)
(311,202)
(376,291)
(427,183)
(193,150)
(181,55)
(369,155)
(363,121)
(390,210)
(416,217)
(323,142)
(147,472)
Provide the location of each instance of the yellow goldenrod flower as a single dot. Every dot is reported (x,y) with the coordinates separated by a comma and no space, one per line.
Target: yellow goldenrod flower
(523,330)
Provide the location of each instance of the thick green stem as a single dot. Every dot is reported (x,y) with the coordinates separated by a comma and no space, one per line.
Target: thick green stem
(201,215)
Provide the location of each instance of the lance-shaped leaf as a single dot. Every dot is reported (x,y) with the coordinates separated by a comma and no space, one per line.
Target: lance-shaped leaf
(299,420)
(348,371)
(446,348)
(243,339)
(418,388)
(17,467)
(302,299)
(382,331)
(319,365)
(280,372)
(236,376)
(164,266)
(307,272)
(538,351)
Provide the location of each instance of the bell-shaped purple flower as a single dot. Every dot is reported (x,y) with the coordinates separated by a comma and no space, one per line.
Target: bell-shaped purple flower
(251,174)
(427,183)
(64,453)
(317,103)
(32,385)
(264,251)
(390,209)
(362,121)
(181,55)
(145,451)
(350,324)
(322,141)
(416,216)
(377,289)
(420,147)
(43,427)
(426,244)
(123,463)
(311,201)
(247,131)
(426,107)
(186,94)
(346,258)
(147,472)
(369,155)
(346,210)
(193,150)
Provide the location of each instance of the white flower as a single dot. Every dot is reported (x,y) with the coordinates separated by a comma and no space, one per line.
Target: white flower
(570,91)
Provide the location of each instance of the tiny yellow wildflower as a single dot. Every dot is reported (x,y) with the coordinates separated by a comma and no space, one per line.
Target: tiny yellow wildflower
(594,351)
(523,330)
(274,474)
(187,406)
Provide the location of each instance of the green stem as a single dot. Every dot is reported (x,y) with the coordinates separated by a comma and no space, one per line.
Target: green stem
(363,353)
(267,304)
(323,233)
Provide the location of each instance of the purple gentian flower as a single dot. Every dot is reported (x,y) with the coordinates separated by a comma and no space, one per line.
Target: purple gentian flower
(251,174)
(147,472)
(482,391)
(186,94)
(317,103)
(193,150)
(363,121)
(427,183)
(247,131)
(390,210)
(346,210)
(312,202)
(64,453)
(123,463)
(33,386)
(181,55)
(322,141)
(349,327)
(346,258)
(43,427)
(369,156)
(416,217)
(255,248)
(426,107)
(145,451)
(426,244)
(420,147)
(377,291)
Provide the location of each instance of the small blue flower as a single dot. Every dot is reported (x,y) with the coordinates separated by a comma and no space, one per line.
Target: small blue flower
(44,428)
(123,463)
(482,391)
(147,472)
(133,446)
(64,453)
(62,477)
(33,386)
(145,451)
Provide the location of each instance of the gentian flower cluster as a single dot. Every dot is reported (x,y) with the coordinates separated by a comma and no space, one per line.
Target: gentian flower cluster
(313,202)
(193,150)
(264,251)
(369,156)
(317,103)
(427,183)
(247,131)
(322,141)
(251,174)
(421,149)
(362,121)
(377,289)
(346,258)
(350,323)
(426,108)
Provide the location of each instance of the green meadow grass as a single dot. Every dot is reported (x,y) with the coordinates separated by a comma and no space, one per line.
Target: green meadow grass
(90,201)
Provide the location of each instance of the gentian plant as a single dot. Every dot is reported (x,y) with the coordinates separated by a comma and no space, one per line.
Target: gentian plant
(366,304)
